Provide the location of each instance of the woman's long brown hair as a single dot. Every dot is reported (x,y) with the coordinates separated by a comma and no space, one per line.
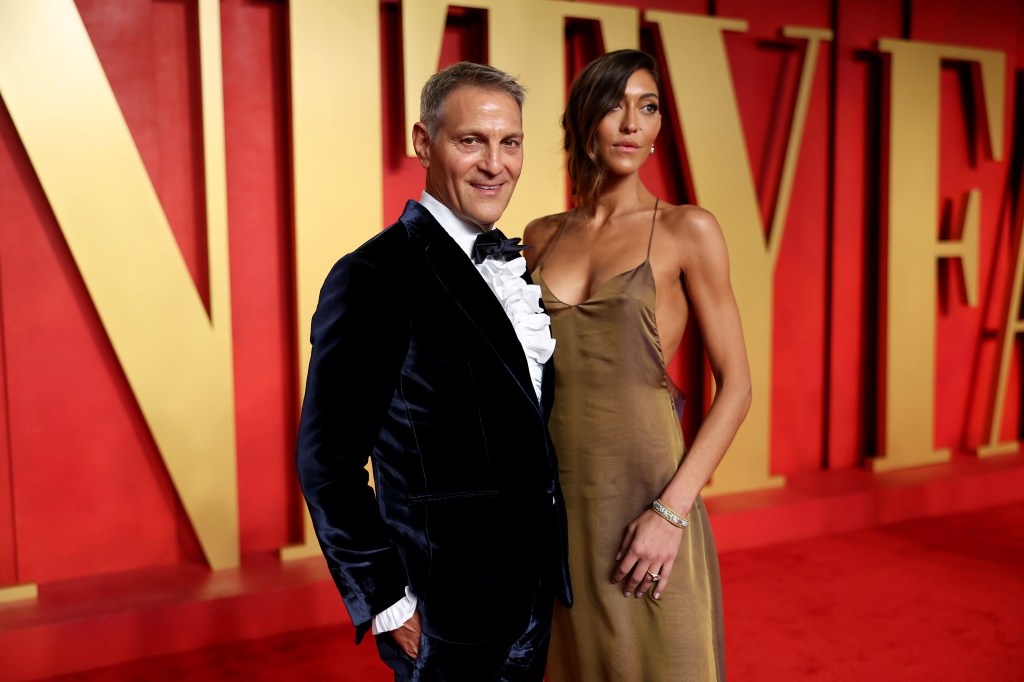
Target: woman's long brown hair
(598,88)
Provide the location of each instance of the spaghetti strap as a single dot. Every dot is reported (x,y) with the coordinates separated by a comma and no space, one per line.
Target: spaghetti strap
(554,240)
(650,239)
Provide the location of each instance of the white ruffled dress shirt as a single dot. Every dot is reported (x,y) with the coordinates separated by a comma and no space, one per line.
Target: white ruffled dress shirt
(521,302)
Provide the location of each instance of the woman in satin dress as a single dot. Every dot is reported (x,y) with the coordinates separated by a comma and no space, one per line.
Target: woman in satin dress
(622,273)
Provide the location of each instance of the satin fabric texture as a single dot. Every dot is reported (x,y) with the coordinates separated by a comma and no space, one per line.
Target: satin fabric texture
(616,427)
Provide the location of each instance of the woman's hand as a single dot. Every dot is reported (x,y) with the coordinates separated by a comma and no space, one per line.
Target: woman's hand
(649,549)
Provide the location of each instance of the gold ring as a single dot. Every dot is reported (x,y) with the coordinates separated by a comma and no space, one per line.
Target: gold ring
(655,577)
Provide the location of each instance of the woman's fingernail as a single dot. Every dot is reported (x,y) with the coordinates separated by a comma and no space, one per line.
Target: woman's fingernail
(618,557)
(657,595)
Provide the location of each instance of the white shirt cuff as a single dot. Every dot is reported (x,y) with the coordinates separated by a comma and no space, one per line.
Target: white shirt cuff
(395,615)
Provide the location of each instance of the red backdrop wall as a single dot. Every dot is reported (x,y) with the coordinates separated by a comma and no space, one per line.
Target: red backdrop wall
(83,490)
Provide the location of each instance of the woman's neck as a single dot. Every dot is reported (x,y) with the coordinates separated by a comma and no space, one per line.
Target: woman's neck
(619,195)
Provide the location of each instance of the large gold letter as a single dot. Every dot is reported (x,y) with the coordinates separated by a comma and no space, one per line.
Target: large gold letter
(177,358)
(338,202)
(911,274)
(709,116)
(527,38)
(1012,326)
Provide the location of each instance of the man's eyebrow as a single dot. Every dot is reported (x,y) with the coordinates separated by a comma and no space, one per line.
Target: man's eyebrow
(473,132)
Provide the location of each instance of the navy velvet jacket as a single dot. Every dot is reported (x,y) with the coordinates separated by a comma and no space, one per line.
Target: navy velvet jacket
(415,363)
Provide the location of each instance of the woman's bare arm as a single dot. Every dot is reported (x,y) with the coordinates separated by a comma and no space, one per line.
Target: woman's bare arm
(651,542)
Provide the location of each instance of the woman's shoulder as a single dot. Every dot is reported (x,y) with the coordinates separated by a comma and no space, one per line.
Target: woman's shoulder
(544,227)
(539,234)
(694,236)
(686,216)
(689,222)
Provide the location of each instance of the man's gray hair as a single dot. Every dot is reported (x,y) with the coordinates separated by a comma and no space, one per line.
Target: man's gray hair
(442,84)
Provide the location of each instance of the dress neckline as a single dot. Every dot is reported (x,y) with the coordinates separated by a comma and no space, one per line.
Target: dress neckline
(539,277)
(536,274)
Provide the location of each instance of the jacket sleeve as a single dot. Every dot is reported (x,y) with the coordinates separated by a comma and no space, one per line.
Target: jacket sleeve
(359,343)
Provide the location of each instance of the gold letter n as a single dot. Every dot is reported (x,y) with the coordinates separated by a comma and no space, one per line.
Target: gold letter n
(177,358)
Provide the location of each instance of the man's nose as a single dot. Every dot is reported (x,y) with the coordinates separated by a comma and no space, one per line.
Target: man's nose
(490,160)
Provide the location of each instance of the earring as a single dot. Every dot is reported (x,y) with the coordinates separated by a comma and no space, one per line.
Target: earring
(652,148)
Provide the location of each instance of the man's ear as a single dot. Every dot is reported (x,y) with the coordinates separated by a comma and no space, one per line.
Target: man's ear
(421,143)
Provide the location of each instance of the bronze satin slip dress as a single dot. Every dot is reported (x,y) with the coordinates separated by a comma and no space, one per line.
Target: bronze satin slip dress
(616,433)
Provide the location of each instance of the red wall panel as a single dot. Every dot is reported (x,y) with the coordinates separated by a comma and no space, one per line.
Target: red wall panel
(261,257)
(91,494)
(967,336)
(8,546)
(858,164)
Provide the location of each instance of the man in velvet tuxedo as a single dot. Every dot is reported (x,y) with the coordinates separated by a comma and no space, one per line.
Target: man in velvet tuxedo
(431,356)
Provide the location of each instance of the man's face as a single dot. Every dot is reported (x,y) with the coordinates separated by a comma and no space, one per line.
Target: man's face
(475,160)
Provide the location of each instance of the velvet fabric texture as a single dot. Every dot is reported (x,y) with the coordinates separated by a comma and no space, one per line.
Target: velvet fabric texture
(415,364)
(513,658)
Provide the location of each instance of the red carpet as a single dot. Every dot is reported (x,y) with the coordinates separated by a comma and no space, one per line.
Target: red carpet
(935,599)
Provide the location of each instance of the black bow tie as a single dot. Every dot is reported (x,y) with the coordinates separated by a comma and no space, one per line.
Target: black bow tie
(493,243)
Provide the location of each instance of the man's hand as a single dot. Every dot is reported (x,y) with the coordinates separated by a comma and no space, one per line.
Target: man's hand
(408,635)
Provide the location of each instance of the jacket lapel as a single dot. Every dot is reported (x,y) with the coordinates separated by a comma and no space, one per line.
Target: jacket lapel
(467,289)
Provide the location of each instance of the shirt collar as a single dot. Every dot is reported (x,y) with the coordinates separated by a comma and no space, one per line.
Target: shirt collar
(463,233)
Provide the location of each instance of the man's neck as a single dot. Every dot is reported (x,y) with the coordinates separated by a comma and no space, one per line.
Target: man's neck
(463,232)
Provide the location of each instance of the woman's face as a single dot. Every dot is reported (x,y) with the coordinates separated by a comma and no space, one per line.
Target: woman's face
(627,131)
